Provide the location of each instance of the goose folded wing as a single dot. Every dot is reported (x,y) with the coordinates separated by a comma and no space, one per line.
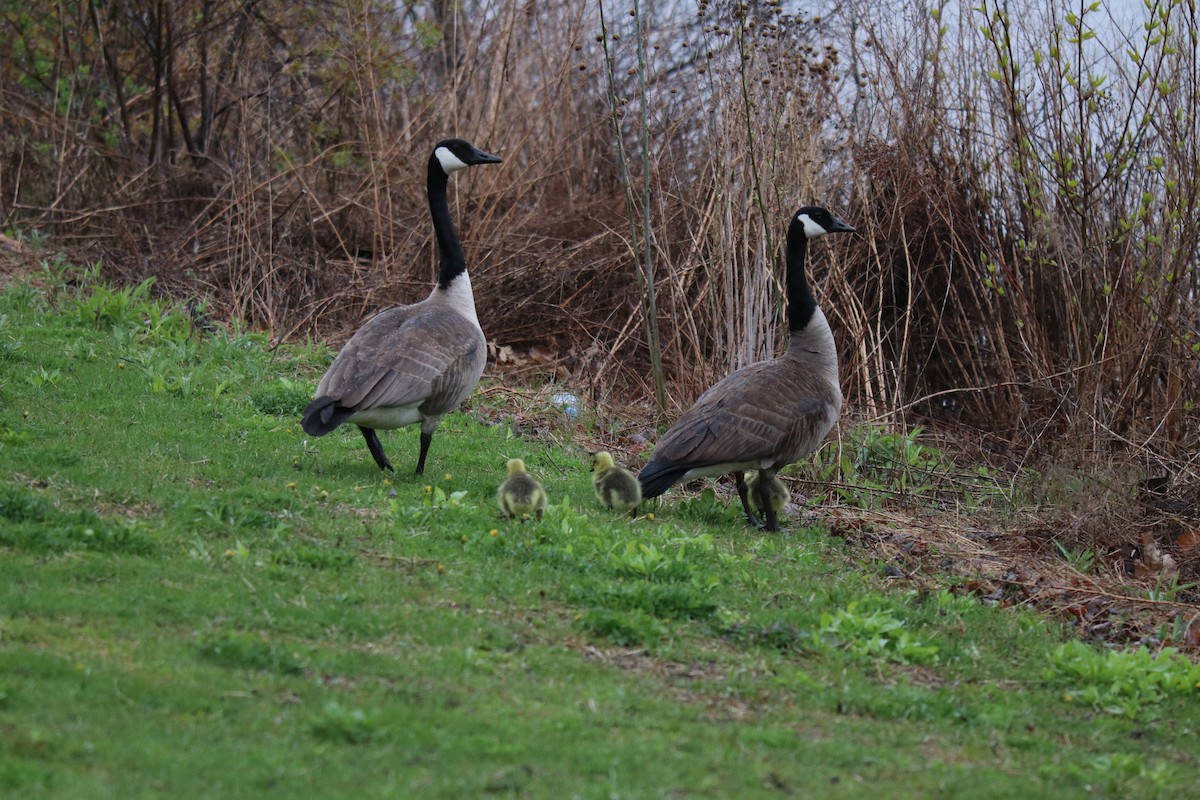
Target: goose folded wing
(735,430)
(398,360)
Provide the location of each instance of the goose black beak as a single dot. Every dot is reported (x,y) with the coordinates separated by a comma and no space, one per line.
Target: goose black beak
(480,157)
(841,227)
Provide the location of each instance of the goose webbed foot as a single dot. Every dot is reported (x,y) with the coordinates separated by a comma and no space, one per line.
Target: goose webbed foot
(376,448)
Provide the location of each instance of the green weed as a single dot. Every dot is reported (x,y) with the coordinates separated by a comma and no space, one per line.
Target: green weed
(1119,775)
(873,635)
(782,636)
(132,310)
(636,560)
(435,502)
(873,465)
(664,601)
(1081,560)
(1168,588)
(314,557)
(41,378)
(240,650)
(703,507)
(1121,682)
(623,628)
(341,725)
(283,397)
(34,524)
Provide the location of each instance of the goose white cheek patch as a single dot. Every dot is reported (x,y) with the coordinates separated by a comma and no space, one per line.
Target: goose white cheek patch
(449,161)
(811,229)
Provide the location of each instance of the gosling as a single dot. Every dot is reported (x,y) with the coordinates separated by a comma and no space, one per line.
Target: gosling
(777,495)
(616,487)
(520,495)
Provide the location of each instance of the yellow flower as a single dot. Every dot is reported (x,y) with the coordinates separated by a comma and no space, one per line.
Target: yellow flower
(291,484)
(448,477)
(650,516)
(230,554)
(495,532)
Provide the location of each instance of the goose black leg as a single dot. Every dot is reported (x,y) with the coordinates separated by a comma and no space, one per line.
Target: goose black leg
(376,448)
(426,439)
(744,494)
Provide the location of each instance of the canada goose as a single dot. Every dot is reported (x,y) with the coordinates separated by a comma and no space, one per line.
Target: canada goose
(616,487)
(411,363)
(764,494)
(769,414)
(520,494)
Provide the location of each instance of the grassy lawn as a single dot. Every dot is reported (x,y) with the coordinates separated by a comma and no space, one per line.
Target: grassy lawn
(197,600)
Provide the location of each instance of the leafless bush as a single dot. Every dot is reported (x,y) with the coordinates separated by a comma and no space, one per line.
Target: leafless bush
(1025,179)
(1034,175)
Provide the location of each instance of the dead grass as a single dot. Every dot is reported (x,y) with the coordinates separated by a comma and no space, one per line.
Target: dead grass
(18,261)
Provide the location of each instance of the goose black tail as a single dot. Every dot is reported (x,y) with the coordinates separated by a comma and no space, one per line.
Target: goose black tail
(323,415)
(656,480)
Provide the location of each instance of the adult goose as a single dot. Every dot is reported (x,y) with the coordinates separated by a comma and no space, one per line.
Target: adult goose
(769,414)
(411,364)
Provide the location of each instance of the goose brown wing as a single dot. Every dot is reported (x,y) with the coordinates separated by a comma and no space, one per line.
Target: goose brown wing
(407,355)
(759,413)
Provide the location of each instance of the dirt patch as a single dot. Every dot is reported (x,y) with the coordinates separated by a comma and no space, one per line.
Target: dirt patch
(17,260)
(1128,596)
(683,680)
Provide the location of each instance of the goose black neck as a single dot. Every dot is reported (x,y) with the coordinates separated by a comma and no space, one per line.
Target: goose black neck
(450,252)
(801,303)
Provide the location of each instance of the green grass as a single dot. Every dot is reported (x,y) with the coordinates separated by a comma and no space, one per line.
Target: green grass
(197,600)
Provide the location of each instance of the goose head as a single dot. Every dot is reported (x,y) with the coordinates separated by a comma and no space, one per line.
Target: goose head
(455,154)
(815,221)
(602,461)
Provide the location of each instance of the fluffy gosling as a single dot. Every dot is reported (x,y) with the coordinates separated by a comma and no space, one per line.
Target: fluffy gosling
(777,495)
(520,495)
(616,487)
